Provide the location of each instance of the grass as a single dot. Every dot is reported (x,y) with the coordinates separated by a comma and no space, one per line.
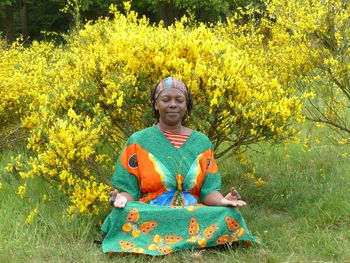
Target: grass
(302,213)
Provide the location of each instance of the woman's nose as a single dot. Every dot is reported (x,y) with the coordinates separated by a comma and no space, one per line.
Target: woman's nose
(173,103)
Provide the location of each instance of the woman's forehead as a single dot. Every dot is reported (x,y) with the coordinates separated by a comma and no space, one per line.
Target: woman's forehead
(172,92)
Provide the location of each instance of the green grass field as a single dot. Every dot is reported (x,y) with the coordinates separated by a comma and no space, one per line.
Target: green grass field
(302,214)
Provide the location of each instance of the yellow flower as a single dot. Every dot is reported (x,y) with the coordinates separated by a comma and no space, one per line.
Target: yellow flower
(249,175)
(253,132)
(343,141)
(9,168)
(71,114)
(260,182)
(31,216)
(344,154)
(22,190)
(127,6)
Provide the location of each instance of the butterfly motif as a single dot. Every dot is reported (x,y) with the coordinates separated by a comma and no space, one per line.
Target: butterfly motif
(128,246)
(133,225)
(235,231)
(167,178)
(161,244)
(197,235)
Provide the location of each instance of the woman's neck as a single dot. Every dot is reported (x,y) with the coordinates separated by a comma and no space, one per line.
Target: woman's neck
(174,129)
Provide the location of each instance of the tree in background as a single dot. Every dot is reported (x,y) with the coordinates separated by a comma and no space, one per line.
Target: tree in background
(32,18)
(28,18)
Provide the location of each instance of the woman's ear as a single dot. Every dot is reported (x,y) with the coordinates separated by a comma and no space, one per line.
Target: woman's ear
(156,106)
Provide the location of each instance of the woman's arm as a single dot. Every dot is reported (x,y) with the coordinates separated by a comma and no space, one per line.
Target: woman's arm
(215,198)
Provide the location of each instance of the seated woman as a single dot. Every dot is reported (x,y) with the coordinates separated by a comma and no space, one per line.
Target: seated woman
(169,184)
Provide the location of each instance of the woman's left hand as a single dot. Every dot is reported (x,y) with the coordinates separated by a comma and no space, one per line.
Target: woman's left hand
(227,201)
(215,198)
(232,199)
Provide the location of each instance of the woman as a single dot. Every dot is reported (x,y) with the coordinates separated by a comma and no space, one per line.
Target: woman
(169,183)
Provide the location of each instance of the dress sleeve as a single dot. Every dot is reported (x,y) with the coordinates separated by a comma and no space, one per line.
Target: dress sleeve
(212,178)
(126,175)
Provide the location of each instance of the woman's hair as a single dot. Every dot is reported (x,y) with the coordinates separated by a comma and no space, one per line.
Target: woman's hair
(188,103)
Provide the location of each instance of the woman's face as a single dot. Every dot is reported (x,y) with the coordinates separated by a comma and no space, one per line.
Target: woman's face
(171,105)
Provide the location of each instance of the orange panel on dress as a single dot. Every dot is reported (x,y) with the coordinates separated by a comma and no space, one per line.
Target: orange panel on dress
(212,167)
(128,160)
(135,159)
(150,179)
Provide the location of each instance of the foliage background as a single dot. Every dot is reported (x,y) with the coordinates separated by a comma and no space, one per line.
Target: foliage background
(78,103)
(68,105)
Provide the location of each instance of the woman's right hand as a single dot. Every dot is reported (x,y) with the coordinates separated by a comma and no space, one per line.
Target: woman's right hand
(120,201)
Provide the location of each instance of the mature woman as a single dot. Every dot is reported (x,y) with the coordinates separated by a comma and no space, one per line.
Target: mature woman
(169,184)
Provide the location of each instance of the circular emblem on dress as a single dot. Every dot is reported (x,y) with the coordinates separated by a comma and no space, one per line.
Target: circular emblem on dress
(133,161)
(208,162)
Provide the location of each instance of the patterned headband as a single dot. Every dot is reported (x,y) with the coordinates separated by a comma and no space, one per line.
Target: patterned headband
(170,82)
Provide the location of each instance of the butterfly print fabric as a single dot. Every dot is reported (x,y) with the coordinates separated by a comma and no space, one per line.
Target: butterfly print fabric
(169,185)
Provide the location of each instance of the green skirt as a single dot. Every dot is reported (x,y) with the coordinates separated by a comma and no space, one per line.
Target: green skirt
(159,230)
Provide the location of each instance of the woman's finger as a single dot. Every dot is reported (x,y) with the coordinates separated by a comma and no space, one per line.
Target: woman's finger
(241,203)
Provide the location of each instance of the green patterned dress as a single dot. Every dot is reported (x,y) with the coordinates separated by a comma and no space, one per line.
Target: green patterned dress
(169,183)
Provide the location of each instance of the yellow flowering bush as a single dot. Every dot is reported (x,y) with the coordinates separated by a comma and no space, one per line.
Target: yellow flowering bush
(79,102)
(324,27)
(25,77)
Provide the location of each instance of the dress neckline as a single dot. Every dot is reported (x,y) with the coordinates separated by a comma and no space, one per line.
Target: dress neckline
(176,139)
(189,137)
